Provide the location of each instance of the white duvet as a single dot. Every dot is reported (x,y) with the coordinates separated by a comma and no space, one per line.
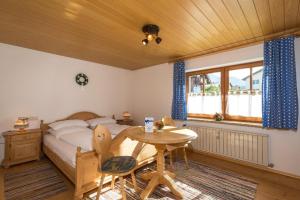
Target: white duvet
(84,138)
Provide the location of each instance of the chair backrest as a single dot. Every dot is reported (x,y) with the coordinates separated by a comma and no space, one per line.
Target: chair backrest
(101,142)
(168,121)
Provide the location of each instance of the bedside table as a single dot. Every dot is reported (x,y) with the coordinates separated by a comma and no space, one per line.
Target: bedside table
(21,146)
(128,122)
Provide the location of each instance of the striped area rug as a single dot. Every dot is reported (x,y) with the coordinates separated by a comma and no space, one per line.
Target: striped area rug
(36,183)
(198,182)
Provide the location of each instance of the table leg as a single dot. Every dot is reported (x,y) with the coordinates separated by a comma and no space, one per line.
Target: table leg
(160,176)
(150,187)
(148,175)
(168,181)
(171,174)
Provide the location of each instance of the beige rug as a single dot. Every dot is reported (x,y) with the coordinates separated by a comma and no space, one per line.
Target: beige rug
(199,182)
(37,183)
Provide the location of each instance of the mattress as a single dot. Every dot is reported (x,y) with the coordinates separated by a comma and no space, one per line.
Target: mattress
(65,151)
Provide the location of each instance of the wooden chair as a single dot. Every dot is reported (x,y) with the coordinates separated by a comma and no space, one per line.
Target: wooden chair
(116,166)
(168,121)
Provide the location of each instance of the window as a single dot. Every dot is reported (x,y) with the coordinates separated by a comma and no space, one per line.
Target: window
(204,93)
(255,82)
(234,91)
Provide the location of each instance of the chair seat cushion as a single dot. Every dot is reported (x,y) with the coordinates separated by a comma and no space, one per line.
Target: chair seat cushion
(119,164)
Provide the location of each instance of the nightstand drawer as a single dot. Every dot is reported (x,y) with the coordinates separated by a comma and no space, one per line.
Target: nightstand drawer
(24,150)
(25,136)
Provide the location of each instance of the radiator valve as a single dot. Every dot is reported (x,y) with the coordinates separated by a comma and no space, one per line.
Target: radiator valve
(271,165)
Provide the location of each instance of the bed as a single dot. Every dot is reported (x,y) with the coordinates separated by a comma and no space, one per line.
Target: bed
(80,165)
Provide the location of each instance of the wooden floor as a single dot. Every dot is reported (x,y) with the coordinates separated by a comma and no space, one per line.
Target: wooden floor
(270,186)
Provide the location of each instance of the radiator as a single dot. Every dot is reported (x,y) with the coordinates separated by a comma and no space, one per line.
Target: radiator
(245,146)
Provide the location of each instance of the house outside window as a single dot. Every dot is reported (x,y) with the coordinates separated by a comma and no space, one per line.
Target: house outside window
(234,91)
(256,78)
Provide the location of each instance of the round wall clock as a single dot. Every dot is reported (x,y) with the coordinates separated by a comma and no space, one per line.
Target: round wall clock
(81,79)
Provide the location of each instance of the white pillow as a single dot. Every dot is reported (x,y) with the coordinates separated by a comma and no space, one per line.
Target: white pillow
(68,123)
(101,121)
(68,130)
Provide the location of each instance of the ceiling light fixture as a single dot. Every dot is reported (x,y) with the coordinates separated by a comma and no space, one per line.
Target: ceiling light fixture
(145,41)
(151,32)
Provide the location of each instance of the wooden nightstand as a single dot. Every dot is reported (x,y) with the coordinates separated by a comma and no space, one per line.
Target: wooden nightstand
(128,122)
(21,146)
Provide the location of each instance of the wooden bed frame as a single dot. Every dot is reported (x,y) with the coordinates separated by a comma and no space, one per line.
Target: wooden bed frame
(85,175)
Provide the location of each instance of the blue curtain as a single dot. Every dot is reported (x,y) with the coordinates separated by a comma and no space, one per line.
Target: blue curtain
(179,98)
(280,99)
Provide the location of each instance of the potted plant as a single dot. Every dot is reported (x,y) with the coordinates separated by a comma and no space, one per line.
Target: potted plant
(218,117)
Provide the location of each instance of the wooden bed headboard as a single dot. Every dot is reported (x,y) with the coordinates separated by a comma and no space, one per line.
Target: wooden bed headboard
(84,115)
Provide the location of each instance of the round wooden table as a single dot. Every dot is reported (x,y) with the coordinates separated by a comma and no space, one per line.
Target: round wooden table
(168,136)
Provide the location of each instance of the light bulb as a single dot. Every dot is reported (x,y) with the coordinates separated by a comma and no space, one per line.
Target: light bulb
(145,41)
(150,37)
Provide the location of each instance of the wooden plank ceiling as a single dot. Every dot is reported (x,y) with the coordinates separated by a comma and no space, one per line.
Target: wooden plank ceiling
(109,32)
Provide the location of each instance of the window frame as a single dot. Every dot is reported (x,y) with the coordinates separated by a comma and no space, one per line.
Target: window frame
(224,90)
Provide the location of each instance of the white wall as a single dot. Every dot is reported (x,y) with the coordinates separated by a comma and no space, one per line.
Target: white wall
(35,83)
(152,92)
(238,56)
(153,97)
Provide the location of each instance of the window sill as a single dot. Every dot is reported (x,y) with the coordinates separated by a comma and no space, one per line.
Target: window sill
(238,123)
